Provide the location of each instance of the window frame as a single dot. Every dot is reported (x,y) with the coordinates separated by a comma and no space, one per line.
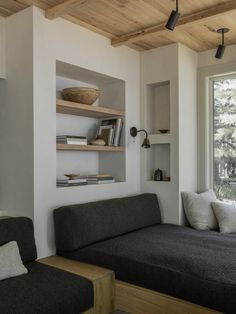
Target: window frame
(211,122)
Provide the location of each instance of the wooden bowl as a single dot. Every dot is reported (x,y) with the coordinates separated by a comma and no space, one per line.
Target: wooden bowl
(82,95)
(72,176)
(163,131)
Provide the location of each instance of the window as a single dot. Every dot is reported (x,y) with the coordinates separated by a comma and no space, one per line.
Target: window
(224,137)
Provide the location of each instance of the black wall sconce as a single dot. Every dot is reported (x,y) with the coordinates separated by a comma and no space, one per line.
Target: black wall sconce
(173,19)
(134,132)
(221,48)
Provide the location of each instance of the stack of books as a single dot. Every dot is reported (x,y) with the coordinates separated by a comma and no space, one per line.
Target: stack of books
(74,182)
(72,139)
(100,179)
(110,131)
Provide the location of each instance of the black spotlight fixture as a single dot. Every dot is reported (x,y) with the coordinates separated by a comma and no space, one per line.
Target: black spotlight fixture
(134,132)
(221,48)
(173,19)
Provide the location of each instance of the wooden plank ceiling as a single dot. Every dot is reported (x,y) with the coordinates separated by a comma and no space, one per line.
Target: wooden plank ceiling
(140,24)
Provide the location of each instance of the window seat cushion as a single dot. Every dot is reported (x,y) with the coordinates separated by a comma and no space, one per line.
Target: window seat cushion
(197,266)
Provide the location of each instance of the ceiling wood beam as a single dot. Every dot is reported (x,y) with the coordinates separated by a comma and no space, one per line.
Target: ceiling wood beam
(201,16)
(62,8)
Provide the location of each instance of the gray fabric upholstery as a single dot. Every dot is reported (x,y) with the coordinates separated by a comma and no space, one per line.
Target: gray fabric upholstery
(10,261)
(198,266)
(19,229)
(79,225)
(226,216)
(198,209)
(45,290)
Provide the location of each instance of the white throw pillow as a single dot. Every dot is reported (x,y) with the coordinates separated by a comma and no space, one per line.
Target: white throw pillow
(10,261)
(198,209)
(226,216)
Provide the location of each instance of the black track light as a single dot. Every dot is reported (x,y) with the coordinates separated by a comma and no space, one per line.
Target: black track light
(221,48)
(173,19)
(134,132)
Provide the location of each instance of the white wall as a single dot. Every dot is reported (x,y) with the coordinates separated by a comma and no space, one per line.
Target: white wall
(209,66)
(16,118)
(2,47)
(161,65)
(177,64)
(28,116)
(67,42)
(188,60)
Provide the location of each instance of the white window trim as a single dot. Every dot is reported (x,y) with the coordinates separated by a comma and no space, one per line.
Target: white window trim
(205,130)
(211,123)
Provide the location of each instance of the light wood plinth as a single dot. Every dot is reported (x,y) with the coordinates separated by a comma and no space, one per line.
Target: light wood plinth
(74,108)
(103,281)
(138,300)
(126,297)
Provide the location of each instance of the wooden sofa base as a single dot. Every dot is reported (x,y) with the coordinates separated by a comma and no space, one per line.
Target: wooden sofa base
(103,281)
(110,293)
(138,300)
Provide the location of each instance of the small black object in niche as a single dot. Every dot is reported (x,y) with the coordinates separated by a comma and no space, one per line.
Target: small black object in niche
(158,175)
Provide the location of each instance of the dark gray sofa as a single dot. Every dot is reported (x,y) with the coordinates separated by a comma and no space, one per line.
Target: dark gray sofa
(45,289)
(126,235)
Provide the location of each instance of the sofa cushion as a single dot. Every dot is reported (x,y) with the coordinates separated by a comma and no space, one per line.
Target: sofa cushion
(226,216)
(198,209)
(79,225)
(45,290)
(10,261)
(19,229)
(197,266)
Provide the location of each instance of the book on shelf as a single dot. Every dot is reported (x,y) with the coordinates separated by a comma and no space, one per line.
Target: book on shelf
(75,182)
(89,179)
(71,181)
(100,179)
(110,131)
(71,184)
(105,132)
(99,175)
(72,139)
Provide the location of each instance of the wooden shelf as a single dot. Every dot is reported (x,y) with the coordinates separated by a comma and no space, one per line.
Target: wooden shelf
(90,148)
(153,181)
(91,184)
(73,108)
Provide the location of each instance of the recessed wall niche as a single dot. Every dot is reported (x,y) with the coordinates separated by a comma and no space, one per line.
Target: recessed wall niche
(158,107)
(70,121)
(158,156)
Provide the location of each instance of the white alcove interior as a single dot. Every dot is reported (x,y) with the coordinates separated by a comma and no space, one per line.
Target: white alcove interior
(112,95)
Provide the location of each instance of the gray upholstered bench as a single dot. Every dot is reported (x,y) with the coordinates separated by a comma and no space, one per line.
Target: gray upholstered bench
(45,289)
(158,266)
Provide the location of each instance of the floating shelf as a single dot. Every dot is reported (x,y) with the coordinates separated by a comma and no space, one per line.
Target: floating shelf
(73,108)
(91,184)
(90,148)
(162,182)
